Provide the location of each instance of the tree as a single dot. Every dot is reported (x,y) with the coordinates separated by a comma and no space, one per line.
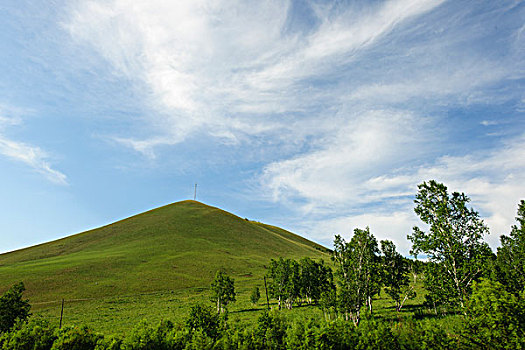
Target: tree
(13,307)
(358,268)
(315,278)
(510,262)
(454,241)
(328,302)
(202,318)
(395,274)
(255,296)
(495,317)
(284,281)
(223,290)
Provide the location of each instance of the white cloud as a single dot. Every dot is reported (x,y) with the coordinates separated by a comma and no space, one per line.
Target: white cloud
(354,96)
(333,175)
(230,68)
(392,226)
(493,180)
(30,155)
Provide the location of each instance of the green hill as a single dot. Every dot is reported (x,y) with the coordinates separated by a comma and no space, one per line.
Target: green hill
(175,247)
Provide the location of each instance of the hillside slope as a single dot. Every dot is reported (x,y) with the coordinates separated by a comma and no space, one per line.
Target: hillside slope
(177,246)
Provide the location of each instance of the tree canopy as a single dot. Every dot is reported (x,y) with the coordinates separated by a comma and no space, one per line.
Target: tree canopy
(510,263)
(358,268)
(454,242)
(13,307)
(223,290)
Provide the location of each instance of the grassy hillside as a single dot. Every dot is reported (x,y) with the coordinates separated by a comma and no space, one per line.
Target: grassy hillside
(155,265)
(172,248)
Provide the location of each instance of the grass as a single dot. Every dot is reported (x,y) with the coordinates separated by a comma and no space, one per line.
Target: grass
(155,265)
(152,265)
(119,314)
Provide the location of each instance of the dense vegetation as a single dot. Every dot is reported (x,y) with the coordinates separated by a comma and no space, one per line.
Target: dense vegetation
(473,298)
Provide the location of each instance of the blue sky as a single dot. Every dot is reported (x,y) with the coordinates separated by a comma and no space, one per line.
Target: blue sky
(315,116)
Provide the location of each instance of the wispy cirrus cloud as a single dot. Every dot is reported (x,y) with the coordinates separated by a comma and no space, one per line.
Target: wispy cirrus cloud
(367,99)
(493,180)
(29,155)
(231,68)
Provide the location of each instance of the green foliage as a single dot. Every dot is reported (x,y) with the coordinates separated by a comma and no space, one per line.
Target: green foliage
(32,335)
(176,247)
(495,317)
(284,281)
(376,335)
(203,319)
(337,334)
(270,332)
(302,335)
(454,240)
(315,277)
(495,321)
(359,272)
(165,336)
(395,274)
(510,262)
(422,335)
(328,302)
(440,292)
(223,290)
(75,338)
(256,295)
(12,307)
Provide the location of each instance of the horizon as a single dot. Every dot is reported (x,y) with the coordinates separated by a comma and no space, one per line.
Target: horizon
(311,116)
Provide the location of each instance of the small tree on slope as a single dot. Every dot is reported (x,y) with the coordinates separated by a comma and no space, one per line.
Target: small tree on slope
(13,307)
(223,290)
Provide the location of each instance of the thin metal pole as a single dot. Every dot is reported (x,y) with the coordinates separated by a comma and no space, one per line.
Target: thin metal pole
(195,193)
(61,314)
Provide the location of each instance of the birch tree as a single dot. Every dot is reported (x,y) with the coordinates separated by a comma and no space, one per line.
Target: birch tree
(454,240)
(223,290)
(395,277)
(510,263)
(358,269)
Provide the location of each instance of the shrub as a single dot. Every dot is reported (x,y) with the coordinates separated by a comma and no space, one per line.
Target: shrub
(75,338)
(202,318)
(494,316)
(376,335)
(33,335)
(422,335)
(12,307)
(270,331)
(338,334)
(165,336)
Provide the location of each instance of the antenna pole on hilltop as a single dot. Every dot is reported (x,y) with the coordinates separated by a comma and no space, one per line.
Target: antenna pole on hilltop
(195,193)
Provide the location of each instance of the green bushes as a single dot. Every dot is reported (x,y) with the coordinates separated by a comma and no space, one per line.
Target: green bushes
(33,335)
(495,316)
(75,338)
(495,321)
(12,307)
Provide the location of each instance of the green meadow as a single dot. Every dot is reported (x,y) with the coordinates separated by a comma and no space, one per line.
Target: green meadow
(152,266)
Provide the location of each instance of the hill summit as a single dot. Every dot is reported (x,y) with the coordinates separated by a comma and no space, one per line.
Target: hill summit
(176,246)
